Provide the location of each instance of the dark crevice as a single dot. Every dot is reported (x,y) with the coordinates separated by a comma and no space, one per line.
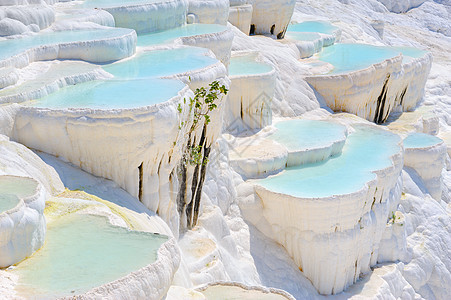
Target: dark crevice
(379,116)
(273,27)
(241,109)
(281,34)
(140,183)
(403,94)
(252,31)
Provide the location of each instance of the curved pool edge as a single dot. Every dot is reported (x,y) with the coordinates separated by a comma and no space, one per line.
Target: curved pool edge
(99,51)
(23,227)
(263,289)
(152,281)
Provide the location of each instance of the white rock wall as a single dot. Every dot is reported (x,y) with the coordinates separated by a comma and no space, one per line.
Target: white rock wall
(428,163)
(151,282)
(241,17)
(104,50)
(149,134)
(249,101)
(401,6)
(373,93)
(209,11)
(332,240)
(26,18)
(150,17)
(18,160)
(219,43)
(22,228)
(272,17)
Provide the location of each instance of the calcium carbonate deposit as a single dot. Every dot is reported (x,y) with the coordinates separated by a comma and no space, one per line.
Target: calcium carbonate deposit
(225,149)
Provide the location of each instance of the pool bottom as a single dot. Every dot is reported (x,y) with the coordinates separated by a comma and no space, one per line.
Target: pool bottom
(13,188)
(82,252)
(112,94)
(247,65)
(421,140)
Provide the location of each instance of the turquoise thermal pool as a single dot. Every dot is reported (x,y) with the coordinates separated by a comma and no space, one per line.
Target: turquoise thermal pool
(112,94)
(352,57)
(14,47)
(12,189)
(313,26)
(366,150)
(170,35)
(303,36)
(82,252)
(307,134)
(246,65)
(8,201)
(421,140)
(410,53)
(161,63)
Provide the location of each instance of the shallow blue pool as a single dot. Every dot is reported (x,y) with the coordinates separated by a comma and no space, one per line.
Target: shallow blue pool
(13,188)
(170,35)
(307,134)
(112,94)
(313,26)
(410,53)
(247,65)
(82,252)
(302,36)
(161,63)
(352,57)
(421,140)
(13,47)
(366,150)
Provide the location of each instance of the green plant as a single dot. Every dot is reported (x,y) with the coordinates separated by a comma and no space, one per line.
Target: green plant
(196,150)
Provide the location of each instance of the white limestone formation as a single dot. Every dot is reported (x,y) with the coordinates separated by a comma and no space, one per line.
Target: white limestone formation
(151,282)
(147,16)
(202,77)
(271,17)
(427,159)
(209,11)
(263,154)
(8,76)
(309,43)
(334,245)
(257,157)
(241,16)
(386,238)
(18,160)
(393,245)
(77,16)
(373,93)
(141,127)
(19,19)
(59,75)
(250,96)
(219,290)
(22,225)
(219,43)
(401,6)
(101,50)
